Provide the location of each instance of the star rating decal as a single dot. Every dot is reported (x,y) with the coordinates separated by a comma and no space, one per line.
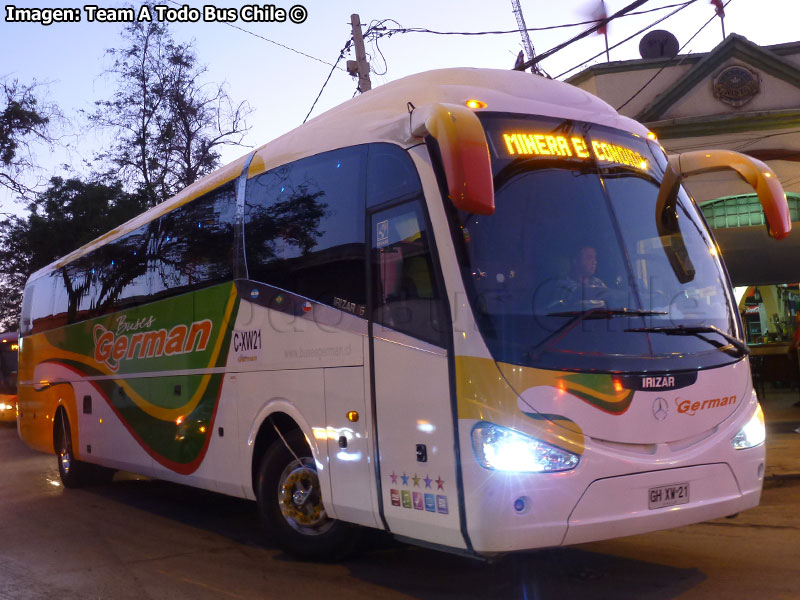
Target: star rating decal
(416,479)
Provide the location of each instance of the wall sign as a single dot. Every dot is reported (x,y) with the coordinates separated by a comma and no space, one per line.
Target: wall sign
(736,85)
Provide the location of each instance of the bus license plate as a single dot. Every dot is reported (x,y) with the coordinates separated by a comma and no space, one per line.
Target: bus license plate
(668,495)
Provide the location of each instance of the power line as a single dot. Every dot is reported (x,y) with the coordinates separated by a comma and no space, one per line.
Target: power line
(627,39)
(649,81)
(341,55)
(599,24)
(390,32)
(300,52)
(325,62)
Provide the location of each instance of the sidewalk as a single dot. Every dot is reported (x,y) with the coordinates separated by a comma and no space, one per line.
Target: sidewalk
(782,413)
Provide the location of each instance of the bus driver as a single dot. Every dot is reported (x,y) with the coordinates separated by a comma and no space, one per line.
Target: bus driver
(581,287)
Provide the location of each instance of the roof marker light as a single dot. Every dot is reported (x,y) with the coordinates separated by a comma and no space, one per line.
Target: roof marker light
(475,104)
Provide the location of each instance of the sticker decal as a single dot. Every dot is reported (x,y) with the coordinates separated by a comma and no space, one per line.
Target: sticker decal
(430,503)
(247,345)
(383,233)
(418,500)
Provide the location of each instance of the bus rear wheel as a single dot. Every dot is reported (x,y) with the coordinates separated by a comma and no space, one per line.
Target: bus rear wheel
(290,504)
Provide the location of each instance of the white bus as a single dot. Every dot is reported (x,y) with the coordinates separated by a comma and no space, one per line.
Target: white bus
(472,308)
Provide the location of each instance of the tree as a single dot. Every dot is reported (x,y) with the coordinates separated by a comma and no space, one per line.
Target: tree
(64,217)
(24,120)
(167,126)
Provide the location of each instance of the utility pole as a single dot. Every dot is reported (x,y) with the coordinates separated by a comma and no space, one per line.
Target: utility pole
(359,67)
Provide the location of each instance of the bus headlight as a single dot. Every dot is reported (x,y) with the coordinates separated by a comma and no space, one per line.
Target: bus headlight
(753,433)
(503,449)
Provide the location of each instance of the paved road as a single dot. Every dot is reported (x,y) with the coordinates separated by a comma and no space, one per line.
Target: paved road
(144,539)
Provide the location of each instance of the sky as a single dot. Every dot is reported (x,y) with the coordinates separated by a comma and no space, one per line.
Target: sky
(279,68)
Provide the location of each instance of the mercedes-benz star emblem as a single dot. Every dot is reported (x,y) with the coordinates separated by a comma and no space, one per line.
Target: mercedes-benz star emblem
(660,409)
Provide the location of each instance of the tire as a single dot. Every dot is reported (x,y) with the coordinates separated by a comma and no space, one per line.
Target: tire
(75,473)
(290,505)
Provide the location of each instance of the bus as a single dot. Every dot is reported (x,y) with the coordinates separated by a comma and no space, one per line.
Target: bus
(473,308)
(8,377)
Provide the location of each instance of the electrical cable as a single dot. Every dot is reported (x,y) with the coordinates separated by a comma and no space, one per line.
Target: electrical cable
(744,142)
(598,25)
(627,39)
(391,32)
(369,34)
(333,68)
(649,81)
(301,53)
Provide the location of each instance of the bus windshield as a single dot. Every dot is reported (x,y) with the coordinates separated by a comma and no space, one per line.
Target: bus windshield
(577,269)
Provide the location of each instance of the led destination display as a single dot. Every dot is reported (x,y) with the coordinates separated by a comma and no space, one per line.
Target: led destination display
(542,144)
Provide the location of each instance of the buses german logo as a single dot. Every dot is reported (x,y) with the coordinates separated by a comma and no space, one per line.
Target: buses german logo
(687,407)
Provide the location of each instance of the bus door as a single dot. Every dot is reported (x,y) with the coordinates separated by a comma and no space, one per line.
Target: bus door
(414,419)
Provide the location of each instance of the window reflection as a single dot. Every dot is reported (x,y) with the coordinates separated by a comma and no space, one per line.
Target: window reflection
(187,248)
(304,228)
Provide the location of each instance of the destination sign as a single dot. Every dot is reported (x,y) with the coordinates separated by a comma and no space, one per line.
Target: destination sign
(518,143)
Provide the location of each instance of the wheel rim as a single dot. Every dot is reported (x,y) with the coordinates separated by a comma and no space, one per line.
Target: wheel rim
(65,455)
(300,500)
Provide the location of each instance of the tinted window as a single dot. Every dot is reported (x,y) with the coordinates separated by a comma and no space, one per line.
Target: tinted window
(405,297)
(304,228)
(37,305)
(574,270)
(391,174)
(194,244)
(122,270)
(187,248)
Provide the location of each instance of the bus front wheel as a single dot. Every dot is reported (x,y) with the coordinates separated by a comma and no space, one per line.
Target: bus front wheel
(290,504)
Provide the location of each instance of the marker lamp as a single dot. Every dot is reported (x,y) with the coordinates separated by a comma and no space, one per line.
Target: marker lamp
(502,449)
(753,433)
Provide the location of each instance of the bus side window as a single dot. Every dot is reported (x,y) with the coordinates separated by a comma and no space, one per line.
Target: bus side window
(391,174)
(193,245)
(405,296)
(37,306)
(304,228)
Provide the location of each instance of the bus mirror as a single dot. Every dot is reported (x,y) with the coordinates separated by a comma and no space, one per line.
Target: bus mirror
(753,171)
(465,154)
(668,230)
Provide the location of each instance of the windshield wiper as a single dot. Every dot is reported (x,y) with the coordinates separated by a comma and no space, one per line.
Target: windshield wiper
(742,348)
(606,313)
(582,315)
